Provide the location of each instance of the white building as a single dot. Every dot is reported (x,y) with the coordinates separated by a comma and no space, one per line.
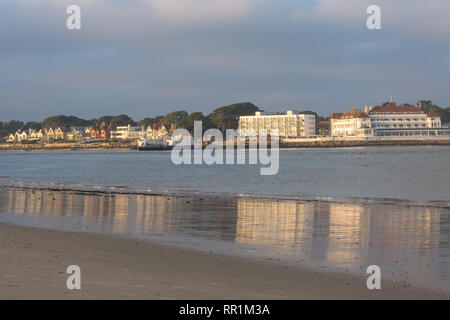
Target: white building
(386,120)
(351,123)
(128,132)
(289,125)
(391,116)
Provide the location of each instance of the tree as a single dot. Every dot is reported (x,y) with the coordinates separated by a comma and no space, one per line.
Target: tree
(227,117)
(105,119)
(428,105)
(32,125)
(146,122)
(9,127)
(179,118)
(197,116)
(121,120)
(425,104)
(63,121)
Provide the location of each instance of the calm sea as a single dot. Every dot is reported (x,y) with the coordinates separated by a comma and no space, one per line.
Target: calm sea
(414,173)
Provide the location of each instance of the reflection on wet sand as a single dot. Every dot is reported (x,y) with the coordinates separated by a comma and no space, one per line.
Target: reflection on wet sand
(346,232)
(273,222)
(409,242)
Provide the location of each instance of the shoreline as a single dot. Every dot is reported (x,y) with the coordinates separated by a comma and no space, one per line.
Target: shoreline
(338,143)
(34,262)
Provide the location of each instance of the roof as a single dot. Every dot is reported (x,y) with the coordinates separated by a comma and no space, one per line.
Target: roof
(393,108)
(353,113)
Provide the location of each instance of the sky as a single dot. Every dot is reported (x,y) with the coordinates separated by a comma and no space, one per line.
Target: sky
(150,57)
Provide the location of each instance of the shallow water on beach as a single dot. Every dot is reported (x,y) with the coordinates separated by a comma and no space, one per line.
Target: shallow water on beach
(333,209)
(409,243)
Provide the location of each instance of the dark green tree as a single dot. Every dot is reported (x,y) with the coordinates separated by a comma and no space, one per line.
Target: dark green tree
(32,125)
(227,117)
(63,121)
(9,127)
(179,118)
(121,120)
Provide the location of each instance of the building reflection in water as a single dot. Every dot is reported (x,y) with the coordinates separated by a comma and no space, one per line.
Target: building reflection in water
(281,223)
(341,234)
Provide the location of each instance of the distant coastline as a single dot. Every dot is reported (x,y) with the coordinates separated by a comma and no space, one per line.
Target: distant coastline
(74,146)
(307,143)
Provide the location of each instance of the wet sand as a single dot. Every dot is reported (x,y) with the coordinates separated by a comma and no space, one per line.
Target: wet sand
(33,263)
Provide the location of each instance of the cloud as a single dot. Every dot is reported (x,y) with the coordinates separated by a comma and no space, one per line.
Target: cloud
(349,11)
(413,17)
(148,57)
(201,10)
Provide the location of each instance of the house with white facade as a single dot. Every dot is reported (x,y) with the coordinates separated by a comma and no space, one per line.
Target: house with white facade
(22,136)
(350,123)
(36,134)
(11,137)
(49,134)
(128,132)
(157,131)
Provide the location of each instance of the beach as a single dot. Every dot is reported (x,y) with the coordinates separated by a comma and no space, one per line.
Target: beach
(34,262)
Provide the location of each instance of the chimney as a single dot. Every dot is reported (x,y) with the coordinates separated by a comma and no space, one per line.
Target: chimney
(366,109)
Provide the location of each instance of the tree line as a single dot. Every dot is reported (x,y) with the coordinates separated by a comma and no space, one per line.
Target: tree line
(225,117)
(222,118)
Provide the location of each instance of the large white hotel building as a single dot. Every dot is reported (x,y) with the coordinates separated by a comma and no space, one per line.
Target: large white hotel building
(387,120)
(289,125)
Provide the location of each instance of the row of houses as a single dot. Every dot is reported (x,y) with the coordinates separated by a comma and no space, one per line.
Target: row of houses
(73,133)
(103,132)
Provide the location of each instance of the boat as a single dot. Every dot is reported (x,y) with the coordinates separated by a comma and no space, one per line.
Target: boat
(158,147)
(146,145)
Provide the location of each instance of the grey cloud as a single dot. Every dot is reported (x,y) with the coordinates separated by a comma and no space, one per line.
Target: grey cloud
(130,57)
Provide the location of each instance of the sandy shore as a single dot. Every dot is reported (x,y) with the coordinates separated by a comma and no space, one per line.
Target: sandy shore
(33,264)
